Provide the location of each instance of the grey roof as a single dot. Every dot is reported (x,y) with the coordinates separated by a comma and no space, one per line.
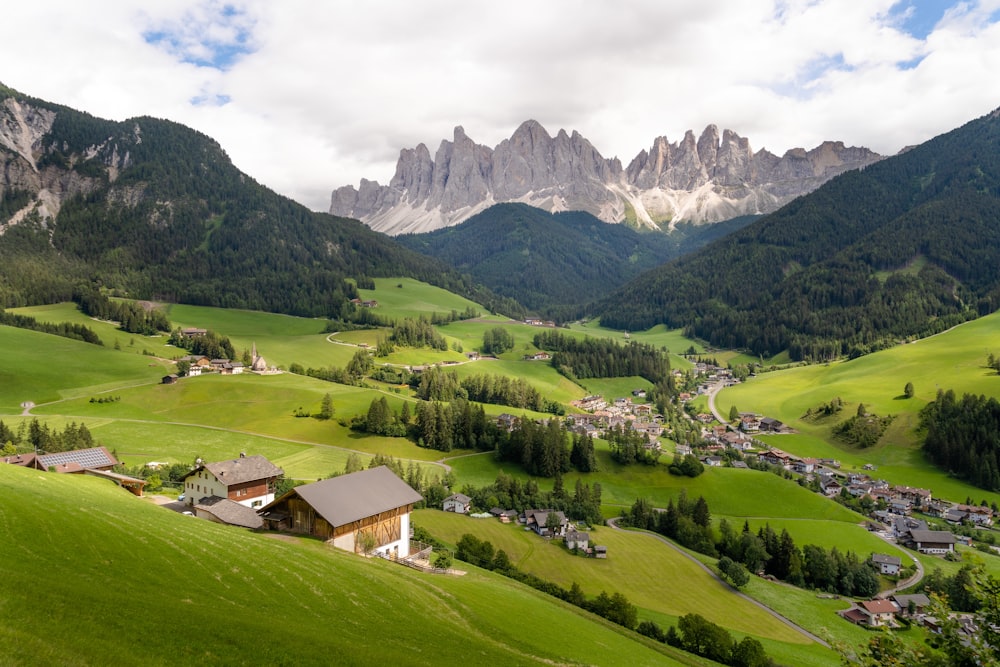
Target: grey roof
(886,559)
(230,511)
(241,470)
(574,536)
(919,599)
(342,500)
(94,457)
(936,536)
(460,497)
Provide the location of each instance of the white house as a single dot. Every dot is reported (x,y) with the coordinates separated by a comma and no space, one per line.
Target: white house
(887,564)
(248,480)
(458,503)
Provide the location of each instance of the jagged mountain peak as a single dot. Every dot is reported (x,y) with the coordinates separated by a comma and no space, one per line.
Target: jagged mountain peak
(714,176)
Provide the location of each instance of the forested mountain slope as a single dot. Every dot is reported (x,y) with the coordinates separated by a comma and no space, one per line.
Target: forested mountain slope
(157,210)
(905,247)
(549,260)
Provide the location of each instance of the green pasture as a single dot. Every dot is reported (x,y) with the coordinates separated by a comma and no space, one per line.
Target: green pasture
(40,368)
(540,374)
(954,360)
(612,388)
(263,405)
(128,582)
(649,573)
(406,297)
(737,494)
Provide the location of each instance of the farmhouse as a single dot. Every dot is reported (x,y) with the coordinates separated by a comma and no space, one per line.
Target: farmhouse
(887,564)
(937,542)
(366,511)
(538,521)
(248,480)
(911,605)
(458,503)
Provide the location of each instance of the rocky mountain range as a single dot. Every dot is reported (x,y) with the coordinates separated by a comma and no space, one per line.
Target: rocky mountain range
(701,180)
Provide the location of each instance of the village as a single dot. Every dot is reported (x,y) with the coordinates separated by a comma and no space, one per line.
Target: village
(369,512)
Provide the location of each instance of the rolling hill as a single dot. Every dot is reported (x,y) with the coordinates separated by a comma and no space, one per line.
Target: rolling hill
(906,247)
(105,577)
(546,260)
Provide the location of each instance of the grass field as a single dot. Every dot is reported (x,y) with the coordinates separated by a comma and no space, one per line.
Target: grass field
(105,578)
(405,297)
(40,368)
(651,574)
(952,360)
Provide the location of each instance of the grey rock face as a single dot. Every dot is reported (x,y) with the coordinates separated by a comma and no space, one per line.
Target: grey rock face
(708,179)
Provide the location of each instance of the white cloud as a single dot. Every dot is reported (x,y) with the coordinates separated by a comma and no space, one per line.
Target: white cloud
(311,96)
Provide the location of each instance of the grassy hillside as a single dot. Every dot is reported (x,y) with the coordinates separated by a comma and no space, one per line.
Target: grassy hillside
(103,577)
(40,368)
(952,360)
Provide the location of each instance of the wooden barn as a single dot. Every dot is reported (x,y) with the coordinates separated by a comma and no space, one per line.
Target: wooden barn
(366,511)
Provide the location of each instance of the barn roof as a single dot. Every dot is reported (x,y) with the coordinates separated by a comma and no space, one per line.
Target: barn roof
(342,500)
(77,459)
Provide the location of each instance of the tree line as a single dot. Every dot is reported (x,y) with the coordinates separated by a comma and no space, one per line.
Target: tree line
(39,437)
(963,437)
(689,524)
(69,330)
(604,358)
(130,315)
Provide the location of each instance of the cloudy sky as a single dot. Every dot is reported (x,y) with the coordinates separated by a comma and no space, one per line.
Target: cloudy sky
(308,96)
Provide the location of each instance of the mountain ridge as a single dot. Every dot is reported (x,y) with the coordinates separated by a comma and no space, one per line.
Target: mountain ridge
(709,179)
(904,248)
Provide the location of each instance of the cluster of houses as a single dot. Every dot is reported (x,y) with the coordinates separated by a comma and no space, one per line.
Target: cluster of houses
(887,612)
(547,523)
(621,413)
(199,364)
(365,303)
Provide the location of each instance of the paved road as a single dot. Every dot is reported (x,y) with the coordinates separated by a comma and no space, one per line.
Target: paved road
(614,524)
(715,389)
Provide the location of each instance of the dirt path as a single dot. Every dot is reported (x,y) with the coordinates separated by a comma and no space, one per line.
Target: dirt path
(614,524)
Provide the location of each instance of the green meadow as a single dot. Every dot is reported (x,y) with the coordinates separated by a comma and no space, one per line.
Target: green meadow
(405,297)
(215,417)
(40,368)
(652,575)
(106,578)
(953,360)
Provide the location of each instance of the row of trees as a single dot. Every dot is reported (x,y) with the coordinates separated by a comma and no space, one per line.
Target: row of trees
(130,315)
(435,384)
(603,357)
(811,566)
(689,523)
(693,632)
(209,344)
(39,437)
(417,332)
(64,329)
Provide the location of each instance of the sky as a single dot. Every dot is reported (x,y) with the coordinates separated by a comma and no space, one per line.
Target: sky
(309,96)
